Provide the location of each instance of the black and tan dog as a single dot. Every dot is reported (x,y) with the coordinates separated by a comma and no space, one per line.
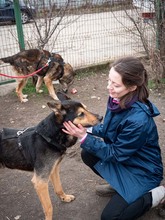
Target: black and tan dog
(29,61)
(41,148)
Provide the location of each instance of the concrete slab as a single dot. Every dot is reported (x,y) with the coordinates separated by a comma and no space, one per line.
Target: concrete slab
(7,88)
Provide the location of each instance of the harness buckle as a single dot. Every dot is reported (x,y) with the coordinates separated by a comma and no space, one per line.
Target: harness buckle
(49,60)
(19,133)
(22,131)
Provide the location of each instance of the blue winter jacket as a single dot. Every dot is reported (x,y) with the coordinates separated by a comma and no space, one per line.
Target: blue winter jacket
(128,148)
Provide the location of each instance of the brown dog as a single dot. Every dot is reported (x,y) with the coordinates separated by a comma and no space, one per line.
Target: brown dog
(41,148)
(28,61)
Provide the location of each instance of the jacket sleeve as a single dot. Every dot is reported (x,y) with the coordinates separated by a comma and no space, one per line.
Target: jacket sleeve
(130,138)
(98,130)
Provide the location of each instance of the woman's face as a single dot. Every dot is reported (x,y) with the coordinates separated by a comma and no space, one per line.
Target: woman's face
(115,85)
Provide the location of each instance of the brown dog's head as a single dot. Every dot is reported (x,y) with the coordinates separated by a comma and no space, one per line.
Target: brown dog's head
(69,110)
(59,70)
(68,73)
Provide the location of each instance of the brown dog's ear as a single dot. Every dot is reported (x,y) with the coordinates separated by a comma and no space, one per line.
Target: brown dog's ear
(62,96)
(55,106)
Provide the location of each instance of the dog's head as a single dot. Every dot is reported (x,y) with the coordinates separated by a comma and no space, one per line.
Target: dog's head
(68,77)
(69,110)
(59,70)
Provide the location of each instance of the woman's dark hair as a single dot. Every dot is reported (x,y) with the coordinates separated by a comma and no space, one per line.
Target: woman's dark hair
(133,73)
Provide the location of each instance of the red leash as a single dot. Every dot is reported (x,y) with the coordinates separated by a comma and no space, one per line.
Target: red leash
(31,74)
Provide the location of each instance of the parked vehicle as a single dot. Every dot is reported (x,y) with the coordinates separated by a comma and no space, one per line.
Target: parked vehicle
(7,11)
(147,8)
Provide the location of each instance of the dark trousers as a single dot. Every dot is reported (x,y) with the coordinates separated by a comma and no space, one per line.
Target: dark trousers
(117,208)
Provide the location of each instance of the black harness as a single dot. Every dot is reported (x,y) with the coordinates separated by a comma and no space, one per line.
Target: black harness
(50,63)
(22,137)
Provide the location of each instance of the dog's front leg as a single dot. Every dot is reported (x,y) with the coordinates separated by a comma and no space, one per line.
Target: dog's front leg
(49,85)
(19,88)
(55,178)
(41,188)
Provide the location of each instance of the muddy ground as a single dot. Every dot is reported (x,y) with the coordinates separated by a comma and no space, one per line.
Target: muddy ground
(18,199)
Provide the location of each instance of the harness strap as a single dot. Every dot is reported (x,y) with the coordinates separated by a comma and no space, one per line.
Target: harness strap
(49,62)
(19,133)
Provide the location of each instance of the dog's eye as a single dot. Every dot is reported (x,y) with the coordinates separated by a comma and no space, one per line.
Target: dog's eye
(80,114)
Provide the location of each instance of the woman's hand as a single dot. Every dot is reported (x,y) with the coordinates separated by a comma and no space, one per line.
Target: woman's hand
(78,131)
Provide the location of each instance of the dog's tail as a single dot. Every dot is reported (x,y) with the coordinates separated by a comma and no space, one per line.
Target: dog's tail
(7,60)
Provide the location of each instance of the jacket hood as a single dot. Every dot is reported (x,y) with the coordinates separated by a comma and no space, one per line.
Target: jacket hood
(149,108)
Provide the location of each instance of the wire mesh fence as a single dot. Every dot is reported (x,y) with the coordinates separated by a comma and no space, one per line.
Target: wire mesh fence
(83,32)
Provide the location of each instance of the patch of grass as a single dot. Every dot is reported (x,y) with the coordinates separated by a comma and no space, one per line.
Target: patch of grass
(152,84)
(30,88)
(163,81)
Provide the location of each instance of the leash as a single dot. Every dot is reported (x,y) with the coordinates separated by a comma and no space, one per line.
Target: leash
(31,74)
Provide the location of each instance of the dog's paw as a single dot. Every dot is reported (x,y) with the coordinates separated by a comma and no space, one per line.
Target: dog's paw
(55,97)
(40,91)
(68,198)
(24,100)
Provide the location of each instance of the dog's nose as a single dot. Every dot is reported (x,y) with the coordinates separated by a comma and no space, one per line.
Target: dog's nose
(100,118)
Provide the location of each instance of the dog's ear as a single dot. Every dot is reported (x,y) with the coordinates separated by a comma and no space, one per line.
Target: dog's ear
(62,96)
(55,106)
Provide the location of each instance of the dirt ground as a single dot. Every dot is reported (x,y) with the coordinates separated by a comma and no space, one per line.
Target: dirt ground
(18,199)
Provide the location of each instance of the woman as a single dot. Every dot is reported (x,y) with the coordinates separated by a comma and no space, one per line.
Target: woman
(127,153)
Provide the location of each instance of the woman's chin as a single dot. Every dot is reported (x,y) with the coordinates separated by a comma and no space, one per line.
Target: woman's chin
(112,95)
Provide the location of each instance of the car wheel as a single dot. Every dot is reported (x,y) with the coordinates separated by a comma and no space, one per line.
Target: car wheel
(24,17)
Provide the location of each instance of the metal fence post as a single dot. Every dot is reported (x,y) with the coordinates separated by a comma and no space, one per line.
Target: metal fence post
(17,13)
